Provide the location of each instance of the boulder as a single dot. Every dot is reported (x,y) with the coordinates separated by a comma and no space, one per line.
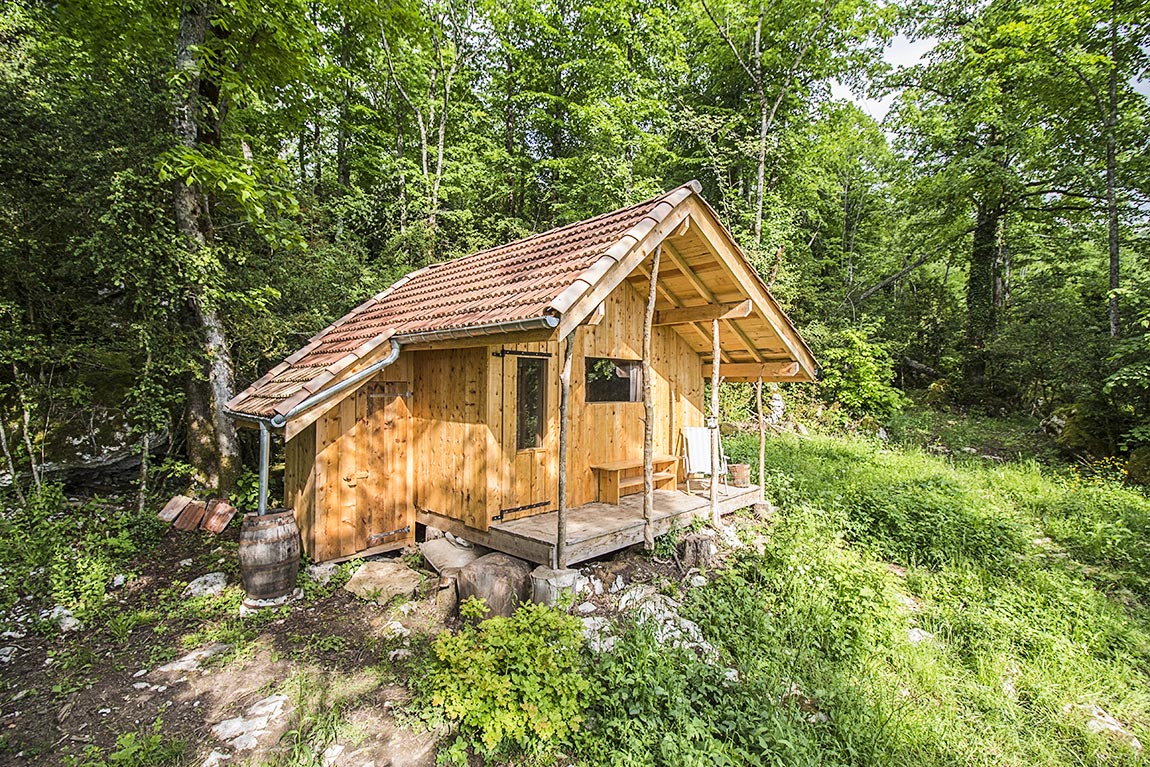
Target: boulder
(382,580)
(207,585)
(646,605)
(446,558)
(321,574)
(64,619)
(501,580)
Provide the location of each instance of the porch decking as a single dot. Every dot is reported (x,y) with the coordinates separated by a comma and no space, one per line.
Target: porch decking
(595,529)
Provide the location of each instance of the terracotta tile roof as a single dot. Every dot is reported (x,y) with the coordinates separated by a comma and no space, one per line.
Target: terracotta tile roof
(518,281)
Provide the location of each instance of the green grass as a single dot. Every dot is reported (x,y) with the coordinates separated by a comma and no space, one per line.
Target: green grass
(903,609)
(1032,587)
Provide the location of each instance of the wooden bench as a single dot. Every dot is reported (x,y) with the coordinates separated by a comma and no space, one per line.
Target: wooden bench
(618,478)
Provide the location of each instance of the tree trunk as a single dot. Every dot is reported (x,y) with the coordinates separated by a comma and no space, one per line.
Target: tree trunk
(342,167)
(11,463)
(716,352)
(564,416)
(211,434)
(1112,174)
(980,314)
(761,170)
(649,408)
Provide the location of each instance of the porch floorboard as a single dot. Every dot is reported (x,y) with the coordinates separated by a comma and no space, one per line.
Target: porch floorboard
(596,529)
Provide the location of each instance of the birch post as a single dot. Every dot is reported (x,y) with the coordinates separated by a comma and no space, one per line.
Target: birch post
(564,402)
(649,408)
(762,443)
(716,520)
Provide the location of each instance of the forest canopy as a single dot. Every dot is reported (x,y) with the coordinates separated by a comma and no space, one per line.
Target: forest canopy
(189,190)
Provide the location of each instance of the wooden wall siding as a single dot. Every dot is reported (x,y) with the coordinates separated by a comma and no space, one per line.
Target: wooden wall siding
(299,483)
(449,405)
(602,431)
(348,474)
(520,477)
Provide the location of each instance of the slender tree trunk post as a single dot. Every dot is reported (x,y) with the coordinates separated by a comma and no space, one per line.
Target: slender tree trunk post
(11,463)
(649,408)
(26,417)
(762,436)
(716,520)
(564,403)
(142,488)
(1112,174)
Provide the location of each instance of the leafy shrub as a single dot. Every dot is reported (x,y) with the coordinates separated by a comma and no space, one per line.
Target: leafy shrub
(147,748)
(857,372)
(52,549)
(513,685)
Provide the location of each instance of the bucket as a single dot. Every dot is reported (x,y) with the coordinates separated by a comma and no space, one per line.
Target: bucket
(741,474)
(269,554)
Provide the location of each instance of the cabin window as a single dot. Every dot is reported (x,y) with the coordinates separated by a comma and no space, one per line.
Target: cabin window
(610,380)
(531,385)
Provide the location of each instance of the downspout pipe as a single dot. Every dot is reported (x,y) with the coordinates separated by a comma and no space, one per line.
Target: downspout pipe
(280,419)
(265,459)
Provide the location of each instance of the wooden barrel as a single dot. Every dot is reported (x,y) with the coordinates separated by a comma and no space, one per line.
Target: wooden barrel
(269,554)
(741,474)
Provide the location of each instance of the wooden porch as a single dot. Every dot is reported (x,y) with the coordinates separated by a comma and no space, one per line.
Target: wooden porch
(595,529)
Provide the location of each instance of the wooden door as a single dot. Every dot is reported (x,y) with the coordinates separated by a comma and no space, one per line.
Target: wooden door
(528,432)
(386,501)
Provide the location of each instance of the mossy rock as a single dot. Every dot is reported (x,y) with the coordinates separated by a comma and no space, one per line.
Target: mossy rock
(1138,466)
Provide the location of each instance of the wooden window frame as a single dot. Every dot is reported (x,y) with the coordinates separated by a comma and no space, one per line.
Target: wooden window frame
(635,376)
(522,365)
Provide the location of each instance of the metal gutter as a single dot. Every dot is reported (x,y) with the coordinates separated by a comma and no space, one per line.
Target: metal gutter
(546,322)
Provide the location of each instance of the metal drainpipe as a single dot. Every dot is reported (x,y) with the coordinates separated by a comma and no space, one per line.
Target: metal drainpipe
(265,459)
(279,419)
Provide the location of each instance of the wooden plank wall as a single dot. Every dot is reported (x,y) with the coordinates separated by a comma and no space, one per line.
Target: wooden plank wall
(343,484)
(449,406)
(613,431)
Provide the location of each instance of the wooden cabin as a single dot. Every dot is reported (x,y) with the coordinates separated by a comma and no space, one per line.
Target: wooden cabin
(438,401)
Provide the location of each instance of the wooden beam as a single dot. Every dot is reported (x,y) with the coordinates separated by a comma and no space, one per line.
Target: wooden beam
(706,293)
(739,269)
(748,344)
(751,371)
(689,273)
(678,304)
(704,313)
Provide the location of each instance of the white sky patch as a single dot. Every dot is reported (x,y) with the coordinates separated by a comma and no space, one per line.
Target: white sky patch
(901,52)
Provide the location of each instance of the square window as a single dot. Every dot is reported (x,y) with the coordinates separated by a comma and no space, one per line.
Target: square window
(611,380)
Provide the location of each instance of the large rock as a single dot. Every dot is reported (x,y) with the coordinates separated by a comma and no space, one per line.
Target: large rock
(382,580)
(503,581)
(646,605)
(446,558)
(210,585)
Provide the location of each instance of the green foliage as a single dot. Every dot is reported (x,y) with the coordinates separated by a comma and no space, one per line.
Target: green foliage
(858,373)
(148,748)
(514,686)
(818,626)
(67,553)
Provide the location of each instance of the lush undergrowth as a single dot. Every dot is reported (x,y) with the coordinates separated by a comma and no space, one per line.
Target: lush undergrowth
(901,609)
